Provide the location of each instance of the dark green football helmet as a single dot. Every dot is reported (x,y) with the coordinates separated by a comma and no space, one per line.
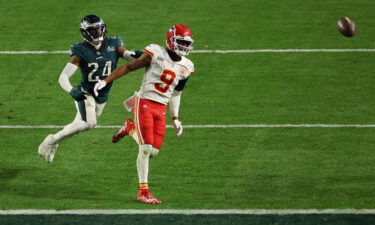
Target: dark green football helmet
(93,29)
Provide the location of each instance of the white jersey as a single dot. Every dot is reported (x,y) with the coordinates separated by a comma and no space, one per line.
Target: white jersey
(163,75)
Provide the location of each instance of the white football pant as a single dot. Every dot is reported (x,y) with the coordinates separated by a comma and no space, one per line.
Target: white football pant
(87,113)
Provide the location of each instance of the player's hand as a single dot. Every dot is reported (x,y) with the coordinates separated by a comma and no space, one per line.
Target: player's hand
(178,126)
(99,86)
(78,95)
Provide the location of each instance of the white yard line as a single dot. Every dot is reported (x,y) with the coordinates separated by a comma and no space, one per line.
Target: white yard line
(32,52)
(187,211)
(217,51)
(281,50)
(209,126)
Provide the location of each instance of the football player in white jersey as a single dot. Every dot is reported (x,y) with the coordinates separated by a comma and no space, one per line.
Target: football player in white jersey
(167,71)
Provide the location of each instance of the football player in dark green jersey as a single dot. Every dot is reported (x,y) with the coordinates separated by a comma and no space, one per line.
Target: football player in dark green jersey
(96,57)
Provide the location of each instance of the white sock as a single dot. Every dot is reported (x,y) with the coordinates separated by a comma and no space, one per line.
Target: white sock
(142,162)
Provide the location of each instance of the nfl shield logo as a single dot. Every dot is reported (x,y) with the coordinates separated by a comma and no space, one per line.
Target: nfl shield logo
(110,49)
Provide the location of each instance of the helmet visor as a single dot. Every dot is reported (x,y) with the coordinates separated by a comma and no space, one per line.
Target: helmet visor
(183,43)
(183,46)
(96,32)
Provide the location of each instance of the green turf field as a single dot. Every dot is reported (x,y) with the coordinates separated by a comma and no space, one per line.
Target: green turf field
(205,168)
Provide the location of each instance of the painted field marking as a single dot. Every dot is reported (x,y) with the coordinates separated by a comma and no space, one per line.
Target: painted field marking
(218,51)
(32,52)
(281,50)
(187,211)
(208,126)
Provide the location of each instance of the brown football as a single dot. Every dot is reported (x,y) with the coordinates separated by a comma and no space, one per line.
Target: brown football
(346,27)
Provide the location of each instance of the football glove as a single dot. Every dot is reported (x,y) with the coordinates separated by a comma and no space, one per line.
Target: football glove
(98,86)
(137,54)
(77,94)
(178,126)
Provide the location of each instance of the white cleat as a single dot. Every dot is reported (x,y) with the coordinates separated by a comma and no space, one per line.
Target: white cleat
(48,148)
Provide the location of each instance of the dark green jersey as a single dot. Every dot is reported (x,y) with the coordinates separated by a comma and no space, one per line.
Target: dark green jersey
(96,64)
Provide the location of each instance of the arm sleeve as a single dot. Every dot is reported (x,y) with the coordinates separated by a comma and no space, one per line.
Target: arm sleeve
(174,104)
(67,72)
(181,85)
(132,55)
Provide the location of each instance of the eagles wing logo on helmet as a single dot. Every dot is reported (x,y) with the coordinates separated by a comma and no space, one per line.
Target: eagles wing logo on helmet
(93,29)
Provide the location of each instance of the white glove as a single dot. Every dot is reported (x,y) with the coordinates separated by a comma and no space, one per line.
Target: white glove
(99,86)
(177,125)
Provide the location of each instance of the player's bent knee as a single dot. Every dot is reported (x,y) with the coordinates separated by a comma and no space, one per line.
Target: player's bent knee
(145,151)
(81,126)
(91,124)
(154,152)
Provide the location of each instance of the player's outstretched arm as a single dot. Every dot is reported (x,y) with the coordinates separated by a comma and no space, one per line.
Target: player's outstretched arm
(124,69)
(143,61)
(129,55)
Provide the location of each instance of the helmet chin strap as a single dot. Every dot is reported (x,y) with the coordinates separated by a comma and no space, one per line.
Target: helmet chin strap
(179,52)
(182,50)
(97,45)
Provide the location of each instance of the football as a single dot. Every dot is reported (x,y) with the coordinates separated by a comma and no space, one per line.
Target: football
(346,27)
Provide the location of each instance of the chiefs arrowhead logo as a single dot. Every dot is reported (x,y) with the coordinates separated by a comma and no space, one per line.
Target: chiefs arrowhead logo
(183,70)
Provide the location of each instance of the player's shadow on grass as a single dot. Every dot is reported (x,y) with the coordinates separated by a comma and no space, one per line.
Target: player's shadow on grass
(35,186)
(7,173)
